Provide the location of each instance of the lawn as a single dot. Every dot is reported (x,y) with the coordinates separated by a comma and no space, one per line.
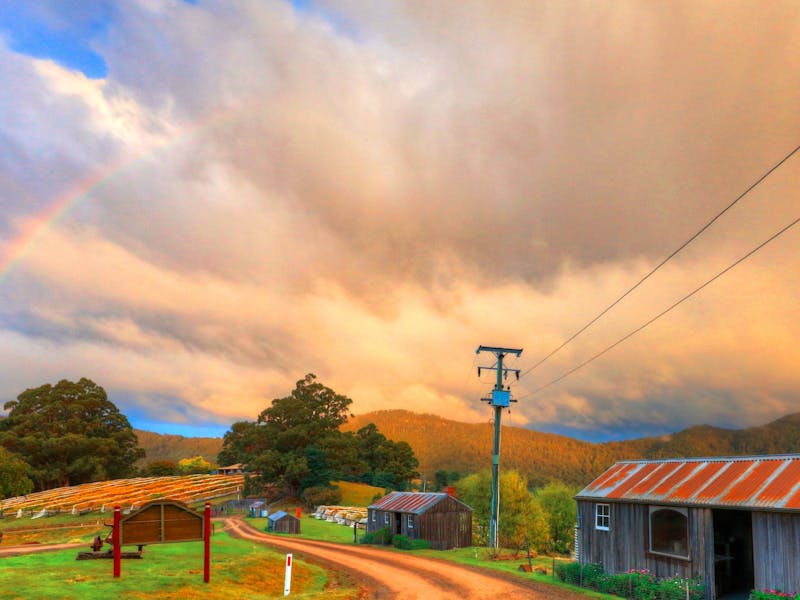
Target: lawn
(314,529)
(239,569)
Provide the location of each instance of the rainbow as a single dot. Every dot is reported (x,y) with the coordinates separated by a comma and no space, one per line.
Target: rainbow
(33,228)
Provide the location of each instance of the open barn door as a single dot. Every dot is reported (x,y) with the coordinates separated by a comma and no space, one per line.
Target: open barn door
(733,553)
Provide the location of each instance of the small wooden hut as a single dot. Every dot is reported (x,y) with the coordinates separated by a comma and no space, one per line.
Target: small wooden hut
(283,522)
(442,519)
(734,521)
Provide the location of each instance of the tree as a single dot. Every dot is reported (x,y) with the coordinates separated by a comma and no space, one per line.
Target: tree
(69,433)
(194,465)
(557,502)
(160,468)
(14,480)
(276,445)
(521,519)
(390,464)
(296,443)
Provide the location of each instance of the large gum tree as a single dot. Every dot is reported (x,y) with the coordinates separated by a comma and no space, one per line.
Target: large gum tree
(69,433)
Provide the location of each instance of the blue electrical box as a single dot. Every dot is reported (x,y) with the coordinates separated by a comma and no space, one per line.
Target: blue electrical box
(501,397)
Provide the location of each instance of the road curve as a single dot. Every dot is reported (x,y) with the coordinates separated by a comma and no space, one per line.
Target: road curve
(394,575)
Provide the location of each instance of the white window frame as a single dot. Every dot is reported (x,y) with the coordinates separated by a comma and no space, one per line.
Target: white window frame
(410,521)
(386,518)
(374,516)
(677,509)
(602,517)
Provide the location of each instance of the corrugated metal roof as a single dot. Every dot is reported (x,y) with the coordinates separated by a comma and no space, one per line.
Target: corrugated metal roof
(761,482)
(411,502)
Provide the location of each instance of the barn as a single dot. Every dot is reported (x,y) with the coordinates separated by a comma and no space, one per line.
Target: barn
(282,522)
(733,521)
(441,519)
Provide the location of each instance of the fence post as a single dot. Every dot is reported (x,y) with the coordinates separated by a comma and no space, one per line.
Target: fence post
(687,590)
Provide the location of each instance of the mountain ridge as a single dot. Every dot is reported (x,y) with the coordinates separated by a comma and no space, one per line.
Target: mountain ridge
(442,444)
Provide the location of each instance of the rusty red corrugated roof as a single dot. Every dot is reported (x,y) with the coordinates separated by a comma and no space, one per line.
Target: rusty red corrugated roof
(761,482)
(411,502)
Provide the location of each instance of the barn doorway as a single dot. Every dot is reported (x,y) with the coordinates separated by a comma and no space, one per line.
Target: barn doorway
(398,523)
(733,553)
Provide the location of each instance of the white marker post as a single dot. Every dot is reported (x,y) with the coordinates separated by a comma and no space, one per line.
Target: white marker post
(287,582)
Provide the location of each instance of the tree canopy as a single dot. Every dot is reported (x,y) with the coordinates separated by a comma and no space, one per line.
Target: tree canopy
(13,478)
(69,433)
(296,443)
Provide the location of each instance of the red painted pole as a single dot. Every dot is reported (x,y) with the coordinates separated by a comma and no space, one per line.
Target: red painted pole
(115,541)
(207,544)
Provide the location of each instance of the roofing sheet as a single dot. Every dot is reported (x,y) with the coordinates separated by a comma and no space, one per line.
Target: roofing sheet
(410,502)
(762,482)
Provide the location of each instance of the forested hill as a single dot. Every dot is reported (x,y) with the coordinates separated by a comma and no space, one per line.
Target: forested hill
(160,446)
(441,444)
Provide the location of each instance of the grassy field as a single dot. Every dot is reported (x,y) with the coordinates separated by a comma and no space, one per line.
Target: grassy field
(239,569)
(358,494)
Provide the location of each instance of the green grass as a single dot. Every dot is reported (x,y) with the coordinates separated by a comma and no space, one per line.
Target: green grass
(313,529)
(239,569)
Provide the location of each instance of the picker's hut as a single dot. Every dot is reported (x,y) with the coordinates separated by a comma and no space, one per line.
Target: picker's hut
(443,520)
(734,521)
(282,522)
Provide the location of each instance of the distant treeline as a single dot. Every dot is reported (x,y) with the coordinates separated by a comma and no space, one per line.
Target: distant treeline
(444,445)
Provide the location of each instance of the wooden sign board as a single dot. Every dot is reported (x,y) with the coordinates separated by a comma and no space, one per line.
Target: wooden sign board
(160,522)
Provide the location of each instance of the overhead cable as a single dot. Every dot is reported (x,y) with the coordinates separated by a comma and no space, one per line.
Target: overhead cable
(664,312)
(666,260)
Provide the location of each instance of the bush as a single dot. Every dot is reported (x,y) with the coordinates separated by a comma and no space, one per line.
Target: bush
(637,585)
(382,537)
(316,496)
(772,595)
(403,542)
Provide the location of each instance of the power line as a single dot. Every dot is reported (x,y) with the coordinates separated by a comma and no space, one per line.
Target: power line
(664,312)
(666,260)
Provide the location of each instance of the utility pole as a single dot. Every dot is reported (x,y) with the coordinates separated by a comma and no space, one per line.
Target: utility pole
(500,399)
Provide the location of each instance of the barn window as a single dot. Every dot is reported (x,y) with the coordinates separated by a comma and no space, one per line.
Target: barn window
(602,516)
(386,518)
(669,531)
(411,521)
(374,515)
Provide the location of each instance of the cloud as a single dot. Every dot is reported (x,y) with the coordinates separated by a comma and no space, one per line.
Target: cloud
(370,192)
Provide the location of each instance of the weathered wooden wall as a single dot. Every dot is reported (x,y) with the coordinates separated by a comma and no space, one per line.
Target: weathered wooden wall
(447,524)
(287,524)
(776,551)
(626,546)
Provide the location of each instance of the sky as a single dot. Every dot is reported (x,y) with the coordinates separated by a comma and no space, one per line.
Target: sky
(201,202)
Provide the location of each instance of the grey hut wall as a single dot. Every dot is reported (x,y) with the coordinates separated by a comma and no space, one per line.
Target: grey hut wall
(625,546)
(776,550)
(287,524)
(447,524)
(776,545)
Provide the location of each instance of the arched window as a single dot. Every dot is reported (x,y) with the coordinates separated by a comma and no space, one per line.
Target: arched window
(669,531)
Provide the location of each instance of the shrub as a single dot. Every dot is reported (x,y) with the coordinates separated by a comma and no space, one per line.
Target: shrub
(637,584)
(403,542)
(381,537)
(315,496)
(772,595)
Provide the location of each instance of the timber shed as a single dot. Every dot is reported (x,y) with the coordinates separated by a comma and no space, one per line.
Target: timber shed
(282,522)
(442,519)
(733,521)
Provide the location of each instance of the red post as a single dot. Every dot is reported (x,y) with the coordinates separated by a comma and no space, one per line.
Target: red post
(298,512)
(115,541)
(207,544)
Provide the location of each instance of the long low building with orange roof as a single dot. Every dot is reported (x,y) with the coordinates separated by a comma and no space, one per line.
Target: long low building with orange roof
(732,521)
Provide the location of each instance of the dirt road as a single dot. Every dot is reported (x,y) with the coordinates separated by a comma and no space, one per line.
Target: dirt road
(386,574)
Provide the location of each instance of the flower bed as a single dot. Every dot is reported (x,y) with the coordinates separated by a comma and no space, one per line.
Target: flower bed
(636,584)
